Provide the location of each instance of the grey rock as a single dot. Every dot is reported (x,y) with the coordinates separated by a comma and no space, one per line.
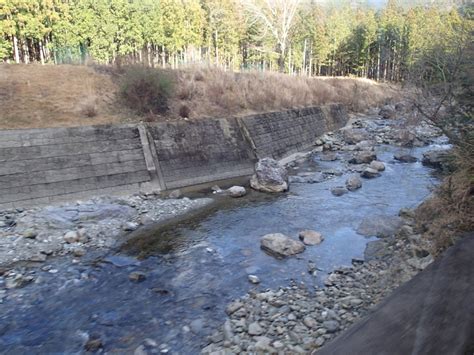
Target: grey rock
(38,258)
(370,173)
(377,165)
(253,279)
(354,136)
(30,233)
(255,329)
(130,226)
(228,333)
(331,326)
(420,263)
(310,322)
(435,158)
(310,237)
(141,350)
(137,276)
(71,237)
(263,344)
(363,157)
(320,341)
(237,191)
(353,183)
(405,158)
(269,176)
(380,226)
(315,178)
(79,251)
(376,249)
(233,307)
(339,190)
(280,246)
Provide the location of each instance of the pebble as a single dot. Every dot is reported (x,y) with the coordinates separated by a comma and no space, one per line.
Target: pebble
(137,276)
(253,279)
(338,191)
(237,191)
(331,326)
(71,237)
(310,237)
(30,233)
(255,329)
(130,226)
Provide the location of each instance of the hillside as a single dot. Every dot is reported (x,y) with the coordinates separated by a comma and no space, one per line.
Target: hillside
(67,95)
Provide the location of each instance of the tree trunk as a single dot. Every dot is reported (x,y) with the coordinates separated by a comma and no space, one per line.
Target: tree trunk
(163,57)
(41,52)
(15,50)
(303,69)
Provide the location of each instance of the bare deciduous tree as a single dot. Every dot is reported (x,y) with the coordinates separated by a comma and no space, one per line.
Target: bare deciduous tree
(277,17)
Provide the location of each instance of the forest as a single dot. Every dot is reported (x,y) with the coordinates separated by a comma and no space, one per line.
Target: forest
(296,37)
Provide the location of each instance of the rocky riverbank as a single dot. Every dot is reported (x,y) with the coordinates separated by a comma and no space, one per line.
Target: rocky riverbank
(300,319)
(34,235)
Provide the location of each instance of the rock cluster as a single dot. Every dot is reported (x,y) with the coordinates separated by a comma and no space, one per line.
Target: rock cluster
(37,233)
(297,320)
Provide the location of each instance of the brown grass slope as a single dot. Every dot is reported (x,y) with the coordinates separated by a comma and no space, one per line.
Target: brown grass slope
(66,95)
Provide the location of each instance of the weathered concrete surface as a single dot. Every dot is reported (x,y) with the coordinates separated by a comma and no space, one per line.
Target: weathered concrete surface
(279,134)
(44,166)
(40,165)
(431,314)
(195,152)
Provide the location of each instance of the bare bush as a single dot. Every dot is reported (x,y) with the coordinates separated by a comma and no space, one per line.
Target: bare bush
(146,90)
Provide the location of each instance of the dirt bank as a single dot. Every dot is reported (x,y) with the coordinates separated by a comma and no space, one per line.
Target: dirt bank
(35,96)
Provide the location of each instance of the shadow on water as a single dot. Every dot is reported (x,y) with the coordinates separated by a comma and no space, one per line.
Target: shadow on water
(170,236)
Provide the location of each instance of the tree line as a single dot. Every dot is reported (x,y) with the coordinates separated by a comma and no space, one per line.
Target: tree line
(292,36)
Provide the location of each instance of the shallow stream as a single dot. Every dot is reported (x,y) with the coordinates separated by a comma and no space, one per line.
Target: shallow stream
(195,267)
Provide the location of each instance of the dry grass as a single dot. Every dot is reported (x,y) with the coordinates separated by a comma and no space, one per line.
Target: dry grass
(450,212)
(216,93)
(53,96)
(66,95)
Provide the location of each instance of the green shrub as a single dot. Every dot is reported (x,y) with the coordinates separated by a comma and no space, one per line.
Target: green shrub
(146,90)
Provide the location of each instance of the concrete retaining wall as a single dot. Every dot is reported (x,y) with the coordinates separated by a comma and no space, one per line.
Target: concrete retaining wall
(42,166)
(195,152)
(279,134)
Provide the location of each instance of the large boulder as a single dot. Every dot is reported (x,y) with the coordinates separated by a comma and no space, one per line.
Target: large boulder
(363,157)
(280,246)
(269,176)
(435,158)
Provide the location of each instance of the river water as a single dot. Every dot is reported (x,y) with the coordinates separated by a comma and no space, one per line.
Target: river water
(194,267)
